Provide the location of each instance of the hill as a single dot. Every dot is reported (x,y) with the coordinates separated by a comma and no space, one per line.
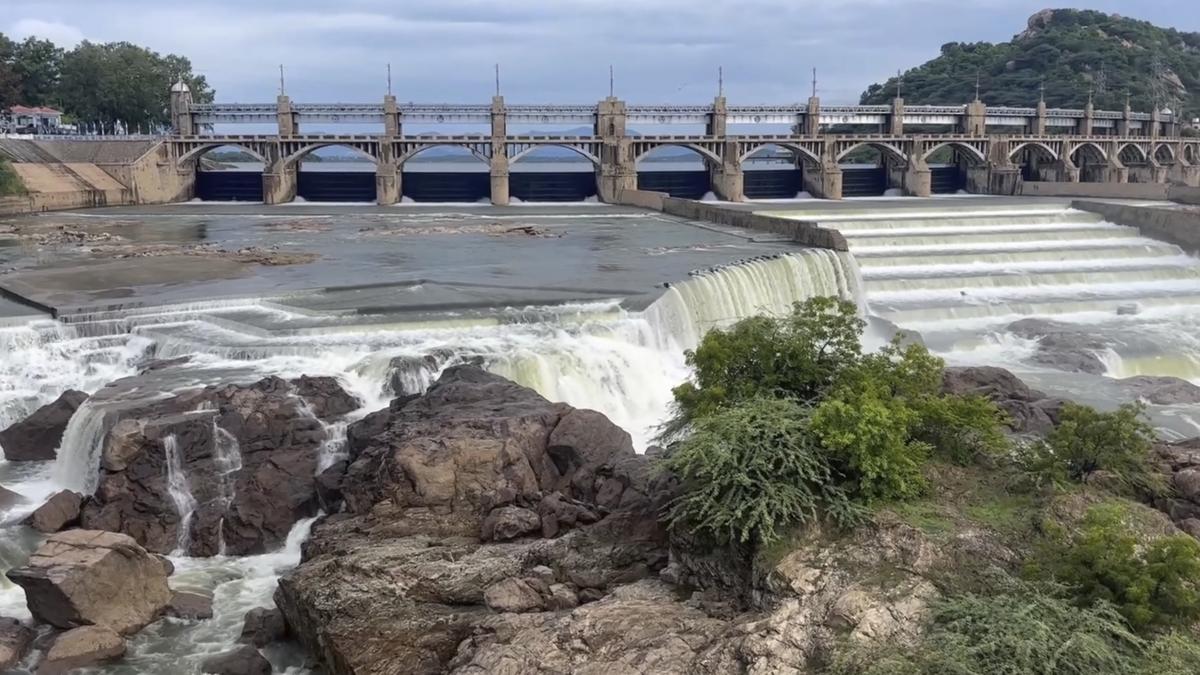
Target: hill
(1072,52)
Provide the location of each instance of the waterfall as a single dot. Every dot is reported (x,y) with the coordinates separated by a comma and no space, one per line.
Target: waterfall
(227,456)
(718,298)
(77,465)
(180,492)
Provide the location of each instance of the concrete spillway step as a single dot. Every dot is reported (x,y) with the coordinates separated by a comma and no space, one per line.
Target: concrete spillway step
(982,268)
(1098,289)
(917,317)
(970,222)
(1015,228)
(1015,253)
(924,238)
(1086,278)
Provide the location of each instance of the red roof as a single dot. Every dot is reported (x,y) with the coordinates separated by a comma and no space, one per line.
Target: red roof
(36,110)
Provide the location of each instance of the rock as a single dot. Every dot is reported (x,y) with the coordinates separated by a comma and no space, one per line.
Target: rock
(82,577)
(190,605)
(1187,484)
(249,451)
(411,375)
(262,626)
(61,510)
(329,486)
(167,565)
(15,639)
(1028,409)
(1061,346)
(162,364)
(561,597)
(243,660)
(38,436)
(325,397)
(402,574)
(1190,526)
(1161,390)
(512,595)
(80,648)
(9,499)
(509,522)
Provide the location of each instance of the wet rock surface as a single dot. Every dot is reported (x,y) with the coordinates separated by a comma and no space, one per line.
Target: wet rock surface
(190,605)
(81,647)
(15,639)
(1061,346)
(37,437)
(262,626)
(61,510)
(1161,390)
(243,660)
(249,454)
(84,577)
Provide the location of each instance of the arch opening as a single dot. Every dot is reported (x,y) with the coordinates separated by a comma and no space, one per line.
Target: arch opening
(949,165)
(865,171)
(552,173)
(1091,162)
(445,174)
(680,170)
(228,173)
(774,172)
(334,173)
(1164,154)
(1037,162)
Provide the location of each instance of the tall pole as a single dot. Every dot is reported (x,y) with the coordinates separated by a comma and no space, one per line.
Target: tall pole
(282,91)
(389,79)
(610,82)
(976,85)
(720,81)
(814,83)
(497,79)
(899,84)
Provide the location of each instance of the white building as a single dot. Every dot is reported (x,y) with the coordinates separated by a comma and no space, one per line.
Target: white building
(39,118)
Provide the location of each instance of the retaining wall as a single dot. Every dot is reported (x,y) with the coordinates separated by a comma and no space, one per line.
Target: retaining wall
(1097,190)
(1179,226)
(802,232)
(1184,194)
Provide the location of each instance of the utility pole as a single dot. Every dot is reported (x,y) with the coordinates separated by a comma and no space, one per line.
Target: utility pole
(977,85)
(814,82)
(282,91)
(720,81)
(899,83)
(389,73)
(497,79)
(610,82)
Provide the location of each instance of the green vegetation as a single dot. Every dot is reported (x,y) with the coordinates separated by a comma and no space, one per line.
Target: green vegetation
(93,82)
(1072,52)
(1024,630)
(1156,585)
(787,421)
(1087,442)
(10,182)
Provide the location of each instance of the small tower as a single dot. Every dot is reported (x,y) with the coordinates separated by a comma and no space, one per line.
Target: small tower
(181,109)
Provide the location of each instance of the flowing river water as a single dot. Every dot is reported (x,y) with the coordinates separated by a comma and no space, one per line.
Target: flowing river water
(957,275)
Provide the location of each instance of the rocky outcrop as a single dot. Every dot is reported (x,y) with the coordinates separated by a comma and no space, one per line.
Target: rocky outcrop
(249,455)
(37,437)
(1161,390)
(15,639)
(476,498)
(263,625)
(1061,346)
(1029,410)
(60,510)
(84,577)
(81,647)
(1179,464)
(243,660)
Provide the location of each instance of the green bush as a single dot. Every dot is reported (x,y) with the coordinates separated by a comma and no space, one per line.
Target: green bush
(751,470)
(1086,442)
(1153,586)
(10,182)
(1020,632)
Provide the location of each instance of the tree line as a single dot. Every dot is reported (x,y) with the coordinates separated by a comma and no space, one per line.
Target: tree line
(97,84)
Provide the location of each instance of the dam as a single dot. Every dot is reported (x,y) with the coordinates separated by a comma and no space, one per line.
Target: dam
(592,305)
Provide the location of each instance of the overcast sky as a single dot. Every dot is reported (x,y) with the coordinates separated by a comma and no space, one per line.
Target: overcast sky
(549,50)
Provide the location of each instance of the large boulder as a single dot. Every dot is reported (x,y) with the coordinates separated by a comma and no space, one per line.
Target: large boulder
(38,436)
(242,660)
(1161,390)
(85,577)
(247,455)
(15,639)
(263,625)
(60,510)
(80,648)
(1062,346)
(477,497)
(1029,410)
(190,605)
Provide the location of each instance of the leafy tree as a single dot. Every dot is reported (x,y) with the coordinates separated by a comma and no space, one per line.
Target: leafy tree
(121,81)
(10,82)
(37,63)
(1153,586)
(1087,441)
(10,182)
(750,471)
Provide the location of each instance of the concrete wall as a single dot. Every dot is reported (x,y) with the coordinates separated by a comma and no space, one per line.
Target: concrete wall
(801,232)
(1184,194)
(1174,225)
(1097,190)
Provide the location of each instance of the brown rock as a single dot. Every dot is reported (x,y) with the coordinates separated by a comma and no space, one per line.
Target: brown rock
(1187,484)
(81,647)
(512,595)
(38,436)
(561,597)
(243,660)
(509,522)
(190,605)
(262,626)
(61,510)
(86,577)
(14,642)
(325,397)
(1190,526)
(9,499)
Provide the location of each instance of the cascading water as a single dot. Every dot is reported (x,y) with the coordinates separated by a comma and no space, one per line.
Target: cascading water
(594,355)
(180,492)
(227,456)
